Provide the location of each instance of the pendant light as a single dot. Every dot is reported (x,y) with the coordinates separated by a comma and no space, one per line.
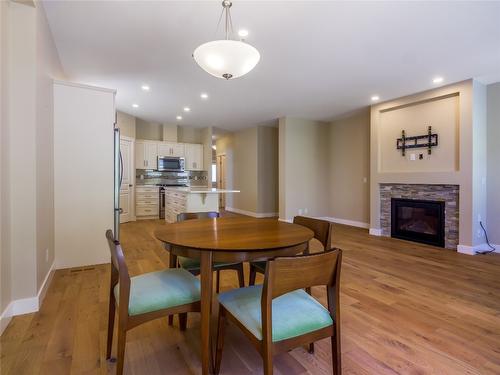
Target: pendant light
(226,58)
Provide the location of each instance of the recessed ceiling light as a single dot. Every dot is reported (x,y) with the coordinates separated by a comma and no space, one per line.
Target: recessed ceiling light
(243,33)
(179,117)
(145,88)
(204,95)
(375,98)
(437,80)
(187,109)
(135,105)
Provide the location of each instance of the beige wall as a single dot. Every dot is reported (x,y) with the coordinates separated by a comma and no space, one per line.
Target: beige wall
(48,67)
(245,169)
(126,123)
(27,159)
(5,258)
(148,130)
(442,114)
(252,168)
(493,165)
(267,170)
(470,132)
(188,134)
(303,163)
(349,168)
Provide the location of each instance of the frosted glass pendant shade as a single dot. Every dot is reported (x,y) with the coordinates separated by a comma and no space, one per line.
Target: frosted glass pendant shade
(226,58)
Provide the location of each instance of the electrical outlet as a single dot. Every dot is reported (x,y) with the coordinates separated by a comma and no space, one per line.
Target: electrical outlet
(306,211)
(479,233)
(365,180)
(479,218)
(46,255)
(300,211)
(413,157)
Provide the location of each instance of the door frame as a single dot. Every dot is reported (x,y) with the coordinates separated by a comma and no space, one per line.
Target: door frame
(132,176)
(222,197)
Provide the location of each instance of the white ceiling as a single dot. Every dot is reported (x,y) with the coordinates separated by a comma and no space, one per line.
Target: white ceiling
(319,60)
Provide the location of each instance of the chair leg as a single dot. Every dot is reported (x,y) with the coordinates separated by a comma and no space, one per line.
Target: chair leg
(111,325)
(253,274)
(336,356)
(120,353)
(267,356)
(311,348)
(241,276)
(220,339)
(217,282)
(183,321)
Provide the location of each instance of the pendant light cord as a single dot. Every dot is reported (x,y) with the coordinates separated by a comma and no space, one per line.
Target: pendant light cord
(228,22)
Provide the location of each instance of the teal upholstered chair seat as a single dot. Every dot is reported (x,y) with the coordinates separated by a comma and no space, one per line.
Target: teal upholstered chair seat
(294,313)
(161,290)
(194,264)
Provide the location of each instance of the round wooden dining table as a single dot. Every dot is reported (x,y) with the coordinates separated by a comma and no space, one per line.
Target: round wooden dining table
(229,239)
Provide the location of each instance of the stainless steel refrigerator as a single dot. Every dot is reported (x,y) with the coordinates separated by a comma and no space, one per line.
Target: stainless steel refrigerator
(118,177)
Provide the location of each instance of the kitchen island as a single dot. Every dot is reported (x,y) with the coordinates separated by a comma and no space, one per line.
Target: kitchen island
(191,199)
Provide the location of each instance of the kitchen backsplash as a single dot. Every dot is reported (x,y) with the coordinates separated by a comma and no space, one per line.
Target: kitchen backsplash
(148,177)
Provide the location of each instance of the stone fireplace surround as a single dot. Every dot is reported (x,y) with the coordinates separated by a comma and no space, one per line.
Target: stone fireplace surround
(447,193)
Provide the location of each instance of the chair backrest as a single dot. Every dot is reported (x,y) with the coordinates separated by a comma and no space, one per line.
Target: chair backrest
(322,229)
(197,215)
(286,274)
(119,270)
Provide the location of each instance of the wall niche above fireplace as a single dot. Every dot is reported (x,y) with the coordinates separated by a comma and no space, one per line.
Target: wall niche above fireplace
(418,220)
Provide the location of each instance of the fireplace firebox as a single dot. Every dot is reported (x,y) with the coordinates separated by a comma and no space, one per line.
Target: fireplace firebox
(418,220)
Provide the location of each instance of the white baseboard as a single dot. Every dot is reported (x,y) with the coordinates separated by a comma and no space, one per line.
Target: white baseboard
(252,214)
(351,223)
(375,231)
(26,305)
(473,250)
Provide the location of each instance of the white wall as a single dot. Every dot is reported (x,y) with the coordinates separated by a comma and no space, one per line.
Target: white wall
(83,179)
(32,61)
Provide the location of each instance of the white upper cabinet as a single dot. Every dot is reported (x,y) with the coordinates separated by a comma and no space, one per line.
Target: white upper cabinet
(194,156)
(171,149)
(146,155)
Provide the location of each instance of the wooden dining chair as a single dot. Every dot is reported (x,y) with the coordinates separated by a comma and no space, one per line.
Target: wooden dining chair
(146,297)
(322,230)
(279,315)
(193,265)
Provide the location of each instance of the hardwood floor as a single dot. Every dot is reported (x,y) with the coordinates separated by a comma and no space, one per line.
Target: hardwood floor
(406,309)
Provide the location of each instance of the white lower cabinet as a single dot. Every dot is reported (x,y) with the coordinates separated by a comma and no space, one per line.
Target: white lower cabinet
(147,202)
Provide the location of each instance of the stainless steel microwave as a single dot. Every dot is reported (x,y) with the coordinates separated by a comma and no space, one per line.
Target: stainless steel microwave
(170,164)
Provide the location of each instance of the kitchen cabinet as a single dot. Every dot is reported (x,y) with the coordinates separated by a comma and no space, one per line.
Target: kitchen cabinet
(147,200)
(171,149)
(194,156)
(146,155)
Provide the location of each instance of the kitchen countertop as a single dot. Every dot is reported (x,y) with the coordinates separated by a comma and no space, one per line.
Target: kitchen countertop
(200,190)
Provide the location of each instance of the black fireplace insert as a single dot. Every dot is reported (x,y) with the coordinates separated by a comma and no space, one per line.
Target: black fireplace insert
(418,220)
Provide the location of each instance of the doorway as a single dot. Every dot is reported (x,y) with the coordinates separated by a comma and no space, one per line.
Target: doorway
(221,179)
(127,187)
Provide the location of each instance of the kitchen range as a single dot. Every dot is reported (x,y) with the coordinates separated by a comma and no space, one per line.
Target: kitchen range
(151,185)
